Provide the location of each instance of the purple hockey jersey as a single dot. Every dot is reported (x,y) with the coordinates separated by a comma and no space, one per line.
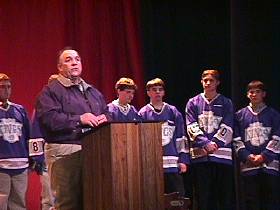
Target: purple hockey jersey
(123,113)
(258,133)
(210,122)
(175,148)
(14,136)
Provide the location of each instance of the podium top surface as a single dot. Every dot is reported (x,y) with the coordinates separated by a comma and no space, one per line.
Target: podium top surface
(136,122)
(88,129)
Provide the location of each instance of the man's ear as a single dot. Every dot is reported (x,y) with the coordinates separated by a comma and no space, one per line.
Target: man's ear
(118,92)
(264,94)
(148,93)
(247,94)
(59,65)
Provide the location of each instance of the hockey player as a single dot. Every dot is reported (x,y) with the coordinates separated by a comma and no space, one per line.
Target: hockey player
(14,129)
(257,141)
(175,157)
(121,109)
(209,119)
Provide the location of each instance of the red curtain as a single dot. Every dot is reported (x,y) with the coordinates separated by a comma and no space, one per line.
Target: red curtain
(105,32)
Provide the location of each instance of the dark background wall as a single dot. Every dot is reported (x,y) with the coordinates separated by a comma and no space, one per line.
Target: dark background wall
(238,37)
(255,47)
(181,38)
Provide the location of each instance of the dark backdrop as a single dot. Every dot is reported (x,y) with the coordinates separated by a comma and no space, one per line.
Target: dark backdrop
(181,38)
(255,48)
(238,37)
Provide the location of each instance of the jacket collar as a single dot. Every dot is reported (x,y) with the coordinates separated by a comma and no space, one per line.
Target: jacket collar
(66,82)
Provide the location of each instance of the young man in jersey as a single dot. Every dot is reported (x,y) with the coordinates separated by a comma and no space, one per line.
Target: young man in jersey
(257,141)
(14,129)
(121,109)
(175,157)
(209,119)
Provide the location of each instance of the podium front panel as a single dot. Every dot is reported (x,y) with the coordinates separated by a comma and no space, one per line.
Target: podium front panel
(123,167)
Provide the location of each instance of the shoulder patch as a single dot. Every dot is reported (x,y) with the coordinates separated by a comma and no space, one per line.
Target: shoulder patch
(36,146)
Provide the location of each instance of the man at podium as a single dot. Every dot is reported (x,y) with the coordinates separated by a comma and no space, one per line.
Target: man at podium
(64,108)
(175,156)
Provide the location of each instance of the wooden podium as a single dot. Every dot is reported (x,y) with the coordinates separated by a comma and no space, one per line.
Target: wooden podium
(123,167)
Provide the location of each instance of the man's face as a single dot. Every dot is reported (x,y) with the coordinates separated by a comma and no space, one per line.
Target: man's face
(5,90)
(156,93)
(209,83)
(256,95)
(126,95)
(70,64)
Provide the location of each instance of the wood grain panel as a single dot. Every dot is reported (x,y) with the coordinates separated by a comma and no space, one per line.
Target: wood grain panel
(123,167)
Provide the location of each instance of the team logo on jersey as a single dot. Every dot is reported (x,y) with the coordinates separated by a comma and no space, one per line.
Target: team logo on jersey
(10,130)
(208,121)
(167,133)
(257,134)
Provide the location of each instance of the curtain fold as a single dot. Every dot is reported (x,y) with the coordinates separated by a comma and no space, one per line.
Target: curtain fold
(106,34)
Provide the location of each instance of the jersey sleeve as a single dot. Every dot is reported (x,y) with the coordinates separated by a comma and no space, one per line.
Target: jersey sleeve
(223,136)
(194,132)
(143,113)
(238,138)
(181,141)
(36,141)
(272,149)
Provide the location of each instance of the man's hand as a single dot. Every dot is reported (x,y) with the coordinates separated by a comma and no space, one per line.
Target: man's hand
(256,160)
(89,119)
(211,147)
(259,160)
(92,120)
(36,166)
(183,168)
(101,119)
(251,158)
